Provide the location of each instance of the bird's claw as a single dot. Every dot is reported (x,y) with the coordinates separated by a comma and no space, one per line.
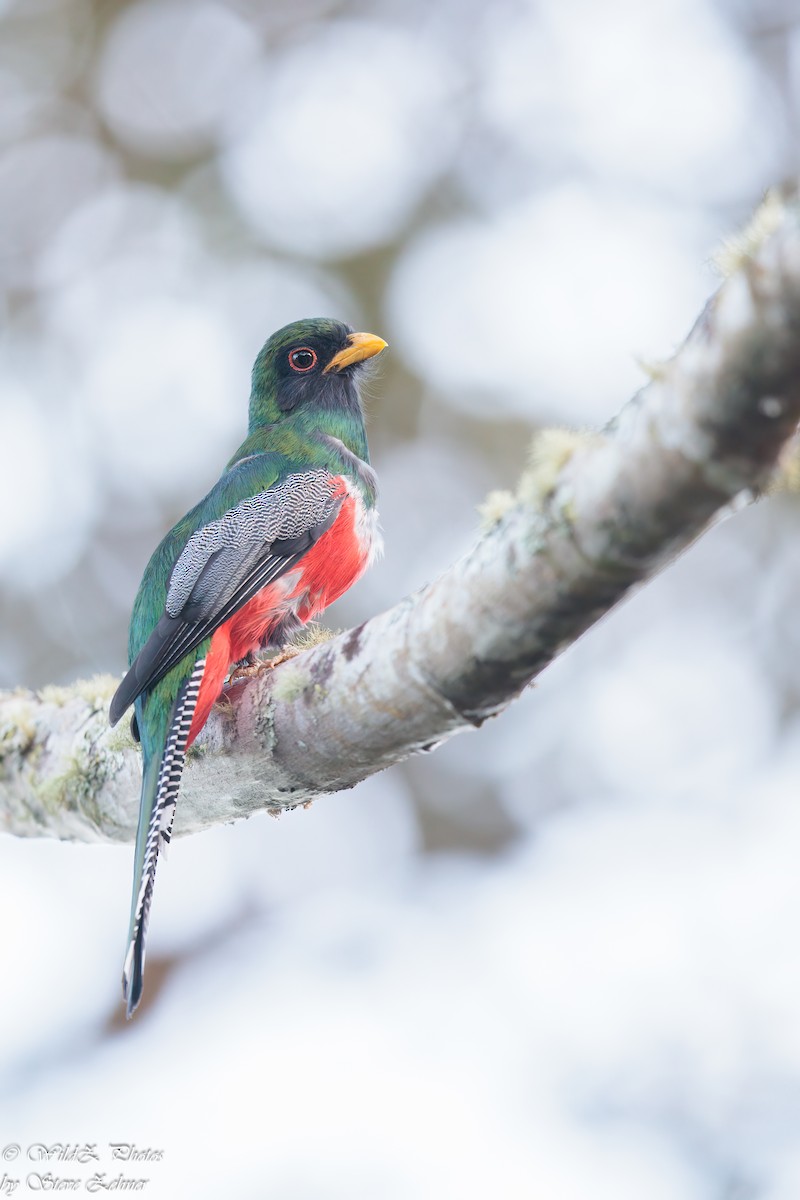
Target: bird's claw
(245,672)
(286,653)
(256,666)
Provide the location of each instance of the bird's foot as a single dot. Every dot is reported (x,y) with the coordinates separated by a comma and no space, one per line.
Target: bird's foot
(246,669)
(312,635)
(251,666)
(283,655)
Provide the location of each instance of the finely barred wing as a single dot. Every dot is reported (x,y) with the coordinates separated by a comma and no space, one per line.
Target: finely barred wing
(224,564)
(218,559)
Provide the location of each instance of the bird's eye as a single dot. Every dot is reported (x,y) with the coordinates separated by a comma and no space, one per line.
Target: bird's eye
(303,359)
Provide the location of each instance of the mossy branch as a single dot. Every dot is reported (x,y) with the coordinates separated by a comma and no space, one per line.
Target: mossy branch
(594,515)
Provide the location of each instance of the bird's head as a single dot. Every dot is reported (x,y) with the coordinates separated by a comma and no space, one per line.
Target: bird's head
(310,365)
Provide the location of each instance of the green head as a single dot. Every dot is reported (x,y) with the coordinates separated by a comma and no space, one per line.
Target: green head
(311,368)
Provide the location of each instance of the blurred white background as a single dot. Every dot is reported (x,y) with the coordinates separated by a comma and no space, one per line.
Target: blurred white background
(558,957)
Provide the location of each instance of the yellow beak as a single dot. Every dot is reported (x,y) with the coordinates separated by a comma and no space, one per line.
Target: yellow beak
(359,346)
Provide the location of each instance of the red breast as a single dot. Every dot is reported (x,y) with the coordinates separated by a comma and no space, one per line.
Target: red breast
(330,567)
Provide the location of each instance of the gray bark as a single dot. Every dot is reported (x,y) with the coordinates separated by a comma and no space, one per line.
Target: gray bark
(593,516)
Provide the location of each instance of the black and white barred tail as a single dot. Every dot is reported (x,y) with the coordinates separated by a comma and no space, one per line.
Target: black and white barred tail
(156,815)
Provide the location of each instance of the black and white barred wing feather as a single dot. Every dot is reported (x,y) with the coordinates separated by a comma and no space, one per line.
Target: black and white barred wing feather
(224,564)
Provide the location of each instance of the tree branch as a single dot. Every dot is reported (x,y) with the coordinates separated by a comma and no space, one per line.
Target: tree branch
(593,516)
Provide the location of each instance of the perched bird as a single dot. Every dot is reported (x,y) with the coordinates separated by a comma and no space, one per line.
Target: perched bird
(289,526)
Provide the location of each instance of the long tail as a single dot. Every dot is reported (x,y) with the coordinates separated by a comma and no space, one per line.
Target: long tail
(160,785)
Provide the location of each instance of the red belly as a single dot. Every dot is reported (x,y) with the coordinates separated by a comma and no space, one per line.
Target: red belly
(329,568)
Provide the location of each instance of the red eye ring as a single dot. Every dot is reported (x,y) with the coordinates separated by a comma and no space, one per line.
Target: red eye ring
(303,359)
